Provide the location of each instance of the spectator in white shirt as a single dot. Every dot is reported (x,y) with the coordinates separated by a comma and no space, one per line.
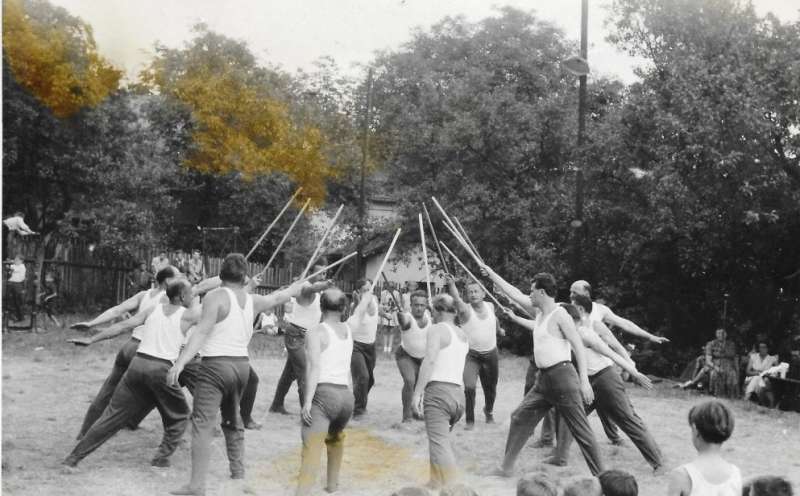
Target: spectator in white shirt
(16,285)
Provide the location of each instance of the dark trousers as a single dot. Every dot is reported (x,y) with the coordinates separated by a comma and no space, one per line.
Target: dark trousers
(443,405)
(220,383)
(362,367)
(295,367)
(17,292)
(556,387)
(103,397)
(483,365)
(547,434)
(143,386)
(409,371)
(331,409)
(610,398)
(188,379)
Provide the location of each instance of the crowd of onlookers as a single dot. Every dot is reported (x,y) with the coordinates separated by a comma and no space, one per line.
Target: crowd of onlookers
(759,376)
(709,474)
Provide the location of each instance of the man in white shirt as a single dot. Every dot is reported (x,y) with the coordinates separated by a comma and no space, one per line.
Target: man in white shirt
(16,285)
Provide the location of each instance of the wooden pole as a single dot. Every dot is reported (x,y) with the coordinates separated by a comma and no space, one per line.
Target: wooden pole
(453,230)
(329,266)
(466,238)
(385,259)
(435,239)
(286,236)
(425,258)
(269,228)
(321,243)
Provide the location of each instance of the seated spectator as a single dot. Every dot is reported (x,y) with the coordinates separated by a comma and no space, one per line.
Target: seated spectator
(160,261)
(584,486)
(618,483)
(712,425)
(195,269)
(536,484)
(767,485)
(759,362)
(267,323)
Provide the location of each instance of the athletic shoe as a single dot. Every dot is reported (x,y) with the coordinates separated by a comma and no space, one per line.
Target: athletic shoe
(160,461)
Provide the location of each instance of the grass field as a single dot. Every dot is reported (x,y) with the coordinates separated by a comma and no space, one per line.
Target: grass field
(47,386)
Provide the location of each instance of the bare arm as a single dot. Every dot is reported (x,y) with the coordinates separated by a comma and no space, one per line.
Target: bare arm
(567,326)
(262,303)
(527,324)
(114,330)
(310,289)
(434,344)
(631,328)
(313,351)
(461,306)
(608,338)
(212,305)
(513,293)
(593,341)
(129,305)
(679,483)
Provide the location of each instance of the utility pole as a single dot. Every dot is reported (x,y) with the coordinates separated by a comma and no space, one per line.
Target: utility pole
(578,222)
(362,207)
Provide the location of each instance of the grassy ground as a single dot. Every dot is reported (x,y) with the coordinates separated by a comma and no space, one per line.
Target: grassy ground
(47,386)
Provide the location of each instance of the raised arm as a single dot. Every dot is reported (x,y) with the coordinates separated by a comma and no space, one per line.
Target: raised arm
(608,337)
(527,324)
(513,293)
(434,344)
(313,350)
(310,289)
(461,306)
(128,306)
(212,305)
(262,303)
(593,341)
(631,328)
(567,326)
(114,330)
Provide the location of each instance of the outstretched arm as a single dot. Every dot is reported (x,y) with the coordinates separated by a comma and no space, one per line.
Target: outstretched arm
(114,330)
(513,293)
(608,337)
(631,328)
(129,305)
(527,324)
(262,303)
(461,305)
(593,341)
(310,289)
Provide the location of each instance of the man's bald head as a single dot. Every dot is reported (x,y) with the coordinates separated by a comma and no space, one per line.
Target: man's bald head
(333,300)
(581,287)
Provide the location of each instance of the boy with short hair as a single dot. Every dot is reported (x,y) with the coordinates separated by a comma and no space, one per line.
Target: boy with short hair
(767,485)
(712,425)
(618,483)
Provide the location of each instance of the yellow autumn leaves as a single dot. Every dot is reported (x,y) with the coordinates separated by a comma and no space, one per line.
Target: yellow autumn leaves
(237,127)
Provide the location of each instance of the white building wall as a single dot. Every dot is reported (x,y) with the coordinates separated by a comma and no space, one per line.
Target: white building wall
(399,272)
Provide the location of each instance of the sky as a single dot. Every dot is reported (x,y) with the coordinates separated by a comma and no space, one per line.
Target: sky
(292,34)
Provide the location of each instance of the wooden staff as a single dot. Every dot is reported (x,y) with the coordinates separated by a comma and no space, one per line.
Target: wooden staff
(330,266)
(269,228)
(391,293)
(385,259)
(472,276)
(321,243)
(466,238)
(453,230)
(285,236)
(425,258)
(435,239)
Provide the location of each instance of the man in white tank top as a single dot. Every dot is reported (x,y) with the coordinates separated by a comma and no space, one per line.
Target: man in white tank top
(413,344)
(364,324)
(602,313)
(328,398)
(477,318)
(144,386)
(305,314)
(441,388)
(609,390)
(221,337)
(557,385)
(140,301)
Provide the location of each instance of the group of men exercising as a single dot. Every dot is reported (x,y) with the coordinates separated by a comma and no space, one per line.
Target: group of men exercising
(447,344)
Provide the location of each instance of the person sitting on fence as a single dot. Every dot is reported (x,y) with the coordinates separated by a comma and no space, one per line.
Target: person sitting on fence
(13,227)
(759,362)
(16,286)
(48,296)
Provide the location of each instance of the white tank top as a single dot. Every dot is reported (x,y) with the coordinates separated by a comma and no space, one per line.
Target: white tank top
(449,365)
(231,336)
(415,340)
(334,360)
(595,362)
(306,316)
(162,336)
(599,312)
(365,328)
(482,333)
(548,349)
(145,303)
(701,487)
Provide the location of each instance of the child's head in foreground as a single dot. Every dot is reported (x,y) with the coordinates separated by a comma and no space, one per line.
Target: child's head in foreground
(767,485)
(618,483)
(712,424)
(583,486)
